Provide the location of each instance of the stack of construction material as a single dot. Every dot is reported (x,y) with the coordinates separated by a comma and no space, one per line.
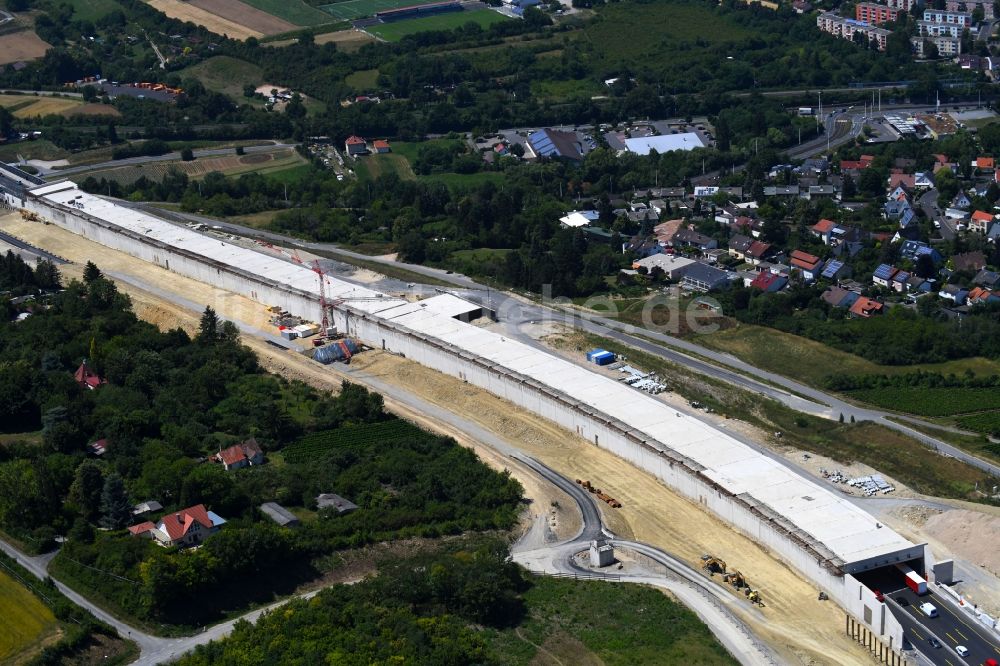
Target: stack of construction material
(341,350)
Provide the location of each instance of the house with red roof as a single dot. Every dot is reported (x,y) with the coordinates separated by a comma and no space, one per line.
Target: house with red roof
(823,230)
(240,455)
(758,251)
(769,282)
(355,145)
(856,165)
(984,163)
(381,146)
(980,222)
(980,295)
(807,265)
(865,308)
(87,378)
(187,527)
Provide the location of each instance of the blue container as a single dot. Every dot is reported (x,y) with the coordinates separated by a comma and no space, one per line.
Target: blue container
(591,354)
(604,358)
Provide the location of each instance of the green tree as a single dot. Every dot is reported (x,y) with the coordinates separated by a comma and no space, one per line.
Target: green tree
(91,272)
(116,510)
(86,491)
(187,155)
(208,327)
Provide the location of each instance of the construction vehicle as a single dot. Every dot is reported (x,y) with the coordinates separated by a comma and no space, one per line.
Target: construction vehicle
(754,597)
(713,564)
(736,579)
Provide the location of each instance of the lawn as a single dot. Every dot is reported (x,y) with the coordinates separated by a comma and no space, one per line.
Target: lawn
(293,11)
(91,10)
(352,9)
(28,623)
(595,622)
(256,220)
(397,30)
(372,167)
(39,149)
(812,362)
(225,74)
(364,79)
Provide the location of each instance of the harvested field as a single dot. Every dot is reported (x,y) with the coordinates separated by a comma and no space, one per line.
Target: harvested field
(245,15)
(18,46)
(92,110)
(29,624)
(44,106)
(183,11)
(347,41)
(802,629)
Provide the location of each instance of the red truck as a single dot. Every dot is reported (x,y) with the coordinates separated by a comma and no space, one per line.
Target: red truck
(913,580)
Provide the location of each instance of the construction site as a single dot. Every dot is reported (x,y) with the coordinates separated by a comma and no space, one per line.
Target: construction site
(666,477)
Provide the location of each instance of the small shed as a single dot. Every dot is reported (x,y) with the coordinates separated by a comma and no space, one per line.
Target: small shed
(336,502)
(149,506)
(279,514)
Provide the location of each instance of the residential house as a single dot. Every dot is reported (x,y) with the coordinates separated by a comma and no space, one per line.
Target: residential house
(691,238)
(969,261)
(665,231)
(814,165)
(909,227)
(98,447)
(555,144)
(381,146)
(279,514)
(355,145)
(900,282)
(739,244)
(961,201)
(835,270)
(848,29)
(334,503)
(883,275)
(902,181)
(240,455)
(187,527)
(987,278)
(865,307)
(672,192)
(856,166)
(87,378)
(839,297)
(894,208)
(993,235)
(579,218)
(980,296)
(984,163)
(660,206)
(923,180)
(642,247)
(821,192)
(954,293)
(644,215)
(714,255)
(912,250)
(758,251)
(781,191)
(823,230)
(807,265)
(918,284)
(768,282)
(980,221)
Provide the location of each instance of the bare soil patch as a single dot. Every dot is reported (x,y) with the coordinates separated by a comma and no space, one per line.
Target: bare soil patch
(21,46)
(184,11)
(92,110)
(256,158)
(245,15)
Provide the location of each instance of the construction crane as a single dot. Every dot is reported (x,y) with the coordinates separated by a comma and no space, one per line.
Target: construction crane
(322,296)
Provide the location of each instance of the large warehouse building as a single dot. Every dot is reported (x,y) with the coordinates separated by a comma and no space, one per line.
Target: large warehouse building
(821,534)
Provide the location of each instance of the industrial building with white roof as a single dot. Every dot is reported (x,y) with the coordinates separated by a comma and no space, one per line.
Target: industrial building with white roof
(814,529)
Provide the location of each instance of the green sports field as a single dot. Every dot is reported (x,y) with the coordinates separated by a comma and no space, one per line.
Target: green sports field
(396,30)
(353,9)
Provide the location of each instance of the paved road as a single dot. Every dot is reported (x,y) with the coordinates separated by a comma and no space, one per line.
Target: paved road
(131,161)
(712,602)
(515,311)
(951,628)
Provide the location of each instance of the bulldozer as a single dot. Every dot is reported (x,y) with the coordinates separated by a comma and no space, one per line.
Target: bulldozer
(713,565)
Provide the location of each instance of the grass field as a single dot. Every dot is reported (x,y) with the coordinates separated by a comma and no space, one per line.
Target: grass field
(281,165)
(397,30)
(812,362)
(92,10)
(27,622)
(225,74)
(364,79)
(352,9)
(372,167)
(39,149)
(293,11)
(30,106)
(593,622)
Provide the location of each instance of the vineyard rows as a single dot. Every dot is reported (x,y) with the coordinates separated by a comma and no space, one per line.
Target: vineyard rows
(931,401)
(987,423)
(318,444)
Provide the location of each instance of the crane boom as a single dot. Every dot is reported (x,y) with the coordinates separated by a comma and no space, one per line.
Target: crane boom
(322,296)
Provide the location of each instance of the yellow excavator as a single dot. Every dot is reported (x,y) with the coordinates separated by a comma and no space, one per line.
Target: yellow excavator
(714,565)
(736,579)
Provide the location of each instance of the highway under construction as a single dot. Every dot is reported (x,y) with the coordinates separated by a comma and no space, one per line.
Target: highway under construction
(827,539)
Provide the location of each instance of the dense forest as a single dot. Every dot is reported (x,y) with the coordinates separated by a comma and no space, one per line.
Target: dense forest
(168,402)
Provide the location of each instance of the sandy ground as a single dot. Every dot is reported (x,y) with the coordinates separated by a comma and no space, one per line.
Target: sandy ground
(183,11)
(18,46)
(803,629)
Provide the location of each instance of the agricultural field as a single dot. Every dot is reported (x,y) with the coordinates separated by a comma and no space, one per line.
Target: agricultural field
(230,165)
(352,9)
(30,106)
(293,11)
(987,423)
(925,401)
(372,167)
(364,79)
(245,15)
(39,149)
(225,74)
(185,11)
(18,46)
(28,624)
(92,109)
(397,30)
(91,10)
(318,445)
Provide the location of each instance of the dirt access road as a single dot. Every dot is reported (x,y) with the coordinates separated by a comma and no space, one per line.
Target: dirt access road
(801,629)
